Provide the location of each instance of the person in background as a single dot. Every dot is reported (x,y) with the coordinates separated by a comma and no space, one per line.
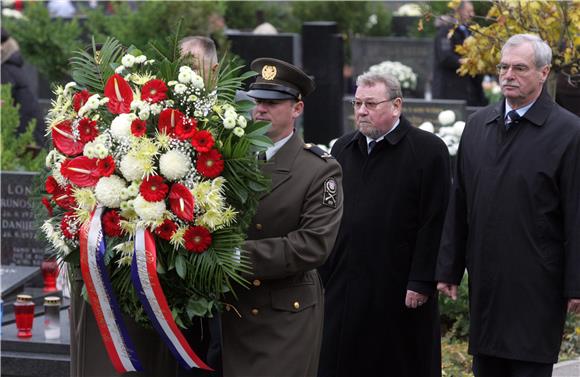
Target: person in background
(203,57)
(274,328)
(447,84)
(514,219)
(13,73)
(381,313)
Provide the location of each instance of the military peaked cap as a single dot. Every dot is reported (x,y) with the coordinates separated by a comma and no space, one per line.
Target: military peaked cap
(279,80)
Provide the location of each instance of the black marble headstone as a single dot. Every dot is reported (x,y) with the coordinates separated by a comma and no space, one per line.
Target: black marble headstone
(19,243)
(418,111)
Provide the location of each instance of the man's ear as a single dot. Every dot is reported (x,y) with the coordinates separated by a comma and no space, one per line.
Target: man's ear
(214,67)
(297,109)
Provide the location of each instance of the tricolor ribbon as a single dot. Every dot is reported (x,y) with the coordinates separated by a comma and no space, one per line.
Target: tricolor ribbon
(149,291)
(103,302)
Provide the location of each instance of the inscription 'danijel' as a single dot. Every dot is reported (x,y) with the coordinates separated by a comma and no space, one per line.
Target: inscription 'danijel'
(20,245)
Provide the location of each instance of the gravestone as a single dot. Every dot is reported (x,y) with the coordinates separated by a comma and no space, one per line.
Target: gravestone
(416,53)
(19,228)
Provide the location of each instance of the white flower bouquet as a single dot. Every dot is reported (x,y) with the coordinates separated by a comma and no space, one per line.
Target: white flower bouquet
(449,131)
(401,72)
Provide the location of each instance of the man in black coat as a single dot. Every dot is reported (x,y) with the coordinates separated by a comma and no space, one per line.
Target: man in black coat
(447,84)
(13,73)
(381,315)
(514,220)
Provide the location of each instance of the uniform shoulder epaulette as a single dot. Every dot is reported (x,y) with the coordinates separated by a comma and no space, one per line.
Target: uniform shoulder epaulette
(317,151)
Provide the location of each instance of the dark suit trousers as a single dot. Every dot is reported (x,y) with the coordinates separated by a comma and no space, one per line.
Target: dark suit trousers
(489,366)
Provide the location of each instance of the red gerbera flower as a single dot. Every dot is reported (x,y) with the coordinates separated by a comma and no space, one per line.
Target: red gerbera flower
(68,226)
(80,98)
(138,127)
(166,229)
(106,166)
(87,130)
(168,119)
(197,239)
(202,141)
(112,224)
(51,185)
(153,189)
(185,128)
(120,95)
(210,164)
(154,91)
(48,205)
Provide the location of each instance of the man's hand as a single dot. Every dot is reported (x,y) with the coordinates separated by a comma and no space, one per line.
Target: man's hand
(414,300)
(574,305)
(447,289)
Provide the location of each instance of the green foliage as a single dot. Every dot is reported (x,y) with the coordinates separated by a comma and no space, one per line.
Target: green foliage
(571,340)
(91,69)
(455,314)
(18,151)
(44,42)
(153,21)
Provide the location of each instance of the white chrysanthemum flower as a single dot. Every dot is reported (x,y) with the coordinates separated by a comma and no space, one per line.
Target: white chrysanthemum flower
(144,113)
(171,83)
(230,113)
(458,127)
(101,151)
(174,165)
(427,126)
(49,160)
(136,104)
(184,76)
(85,199)
(185,68)
(128,60)
(150,61)
(91,104)
(89,150)
(103,101)
(119,69)
(229,123)
(446,117)
(242,121)
(149,211)
(179,88)
(140,59)
(197,81)
(131,168)
(239,131)
(155,108)
(211,219)
(192,98)
(108,191)
(121,125)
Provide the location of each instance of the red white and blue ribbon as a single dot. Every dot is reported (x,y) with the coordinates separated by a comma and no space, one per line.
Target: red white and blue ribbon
(103,302)
(149,291)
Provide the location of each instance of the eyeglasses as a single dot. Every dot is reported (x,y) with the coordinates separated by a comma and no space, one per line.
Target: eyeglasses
(370,105)
(517,69)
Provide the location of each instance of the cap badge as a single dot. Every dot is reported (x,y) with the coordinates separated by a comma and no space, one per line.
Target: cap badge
(269,72)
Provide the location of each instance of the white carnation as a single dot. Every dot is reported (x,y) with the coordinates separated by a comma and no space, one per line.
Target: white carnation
(427,126)
(121,125)
(131,168)
(174,165)
(108,191)
(149,211)
(446,117)
(184,76)
(242,121)
(197,81)
(128,60)
(239,132)
(229,123)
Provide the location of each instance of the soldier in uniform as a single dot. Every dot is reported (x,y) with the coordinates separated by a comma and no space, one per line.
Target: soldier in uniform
(275,326)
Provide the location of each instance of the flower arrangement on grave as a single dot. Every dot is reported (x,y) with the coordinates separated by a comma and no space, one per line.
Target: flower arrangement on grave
(153,181)
(401,72)
(449,130)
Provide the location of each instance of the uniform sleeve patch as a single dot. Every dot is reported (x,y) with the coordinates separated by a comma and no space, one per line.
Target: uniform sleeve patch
(329,193)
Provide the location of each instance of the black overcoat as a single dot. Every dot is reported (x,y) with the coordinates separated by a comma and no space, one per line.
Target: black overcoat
(514,222)
(394,207)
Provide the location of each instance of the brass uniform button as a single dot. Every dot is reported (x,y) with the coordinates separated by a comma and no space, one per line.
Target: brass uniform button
(296,305)
(259,226)
(254,311)
(257,283)
(228,307)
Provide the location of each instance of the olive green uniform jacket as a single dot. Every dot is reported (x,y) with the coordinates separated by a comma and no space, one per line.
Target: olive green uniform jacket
(275,326)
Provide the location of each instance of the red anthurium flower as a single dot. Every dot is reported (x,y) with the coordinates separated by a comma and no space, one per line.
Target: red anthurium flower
(46,203)
(112,224)
(80,98)
(82,171)
(153,189)
(210,164)
(64,141)
(106,166)
(138,127)
(168,119)
(64,198)
(119,93)
(68,226)
(51,185)
(202,141)
(166,229)
(87,130)
(197,239)
(185,128)
(181,201)
(154,91)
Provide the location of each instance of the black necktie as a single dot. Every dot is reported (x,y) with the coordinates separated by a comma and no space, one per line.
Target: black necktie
(371,146)
(512,117)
